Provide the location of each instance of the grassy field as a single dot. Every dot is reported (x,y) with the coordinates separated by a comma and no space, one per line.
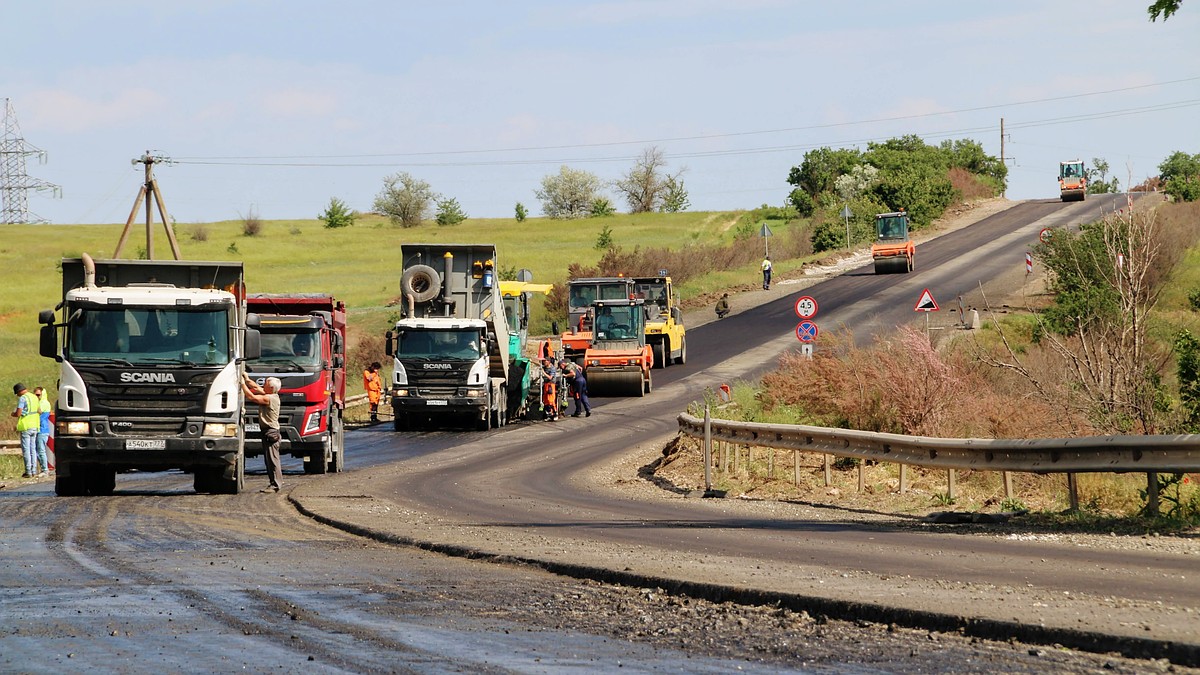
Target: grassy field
(359,264)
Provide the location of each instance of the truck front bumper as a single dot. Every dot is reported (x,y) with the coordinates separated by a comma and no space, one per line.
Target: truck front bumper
(147,454)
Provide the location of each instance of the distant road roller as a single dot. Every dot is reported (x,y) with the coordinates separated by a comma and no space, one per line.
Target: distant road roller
(1072,180)
(618,360)
(893,251)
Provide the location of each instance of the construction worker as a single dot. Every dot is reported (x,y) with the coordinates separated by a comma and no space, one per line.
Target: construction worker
(723,306)
(28,423)
(373,384)
(574,376)
(766,270)
(549,391)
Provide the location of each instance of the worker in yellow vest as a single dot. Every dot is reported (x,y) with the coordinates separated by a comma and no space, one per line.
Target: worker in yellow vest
(28,423)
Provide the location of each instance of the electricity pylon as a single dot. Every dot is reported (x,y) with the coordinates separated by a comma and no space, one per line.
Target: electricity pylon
(15,183)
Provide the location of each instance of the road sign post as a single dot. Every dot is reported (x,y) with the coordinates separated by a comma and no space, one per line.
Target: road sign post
(846,216)
(926,304)
(806,307)
(806,331)
(765,232)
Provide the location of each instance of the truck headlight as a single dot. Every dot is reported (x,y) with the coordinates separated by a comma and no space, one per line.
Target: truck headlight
(73,428)
(219,429)
(313,423)
(400,392)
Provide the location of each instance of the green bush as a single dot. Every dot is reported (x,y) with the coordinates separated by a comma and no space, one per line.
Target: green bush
(449,212)
(337,214)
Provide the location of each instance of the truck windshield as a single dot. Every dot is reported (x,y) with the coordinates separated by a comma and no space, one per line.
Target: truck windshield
(289,347)
(619,323)
(892,227)
(583,295)
(1070,170)
(149,335)
(654,293)
(458,345)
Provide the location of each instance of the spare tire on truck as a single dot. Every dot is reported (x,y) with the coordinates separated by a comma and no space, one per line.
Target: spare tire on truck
(421,282)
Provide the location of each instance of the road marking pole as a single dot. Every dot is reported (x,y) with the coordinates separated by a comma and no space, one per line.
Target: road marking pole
(707,451)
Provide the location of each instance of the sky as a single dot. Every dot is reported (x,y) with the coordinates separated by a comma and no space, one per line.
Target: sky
(272,108)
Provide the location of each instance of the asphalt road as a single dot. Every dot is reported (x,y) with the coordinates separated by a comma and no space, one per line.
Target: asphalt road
(534,492)
(155,578)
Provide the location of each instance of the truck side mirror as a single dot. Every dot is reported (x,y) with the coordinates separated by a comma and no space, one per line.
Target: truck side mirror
(253,343)
(387,343)
(337,362)
(253,320)
(48,343)
(46,316)
(554,327)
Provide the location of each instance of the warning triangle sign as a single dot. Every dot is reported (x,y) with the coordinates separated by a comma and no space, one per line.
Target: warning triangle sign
(926,303)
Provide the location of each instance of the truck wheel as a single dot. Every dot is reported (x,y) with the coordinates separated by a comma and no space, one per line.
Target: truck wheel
(100,481)
(400,422)
(338,463)
(682,358)
(661,355)
(649,383)
(421,282)
(205,479)
(316,463)
(227,480)
(68,486)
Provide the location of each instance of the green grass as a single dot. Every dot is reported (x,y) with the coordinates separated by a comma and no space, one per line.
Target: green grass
(11,466)
(359,264)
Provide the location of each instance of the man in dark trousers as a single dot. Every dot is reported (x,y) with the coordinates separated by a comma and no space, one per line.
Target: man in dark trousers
(574,375)
(267,398)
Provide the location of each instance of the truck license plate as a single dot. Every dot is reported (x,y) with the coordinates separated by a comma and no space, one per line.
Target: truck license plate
(252,428)
(434,401)
(143,444)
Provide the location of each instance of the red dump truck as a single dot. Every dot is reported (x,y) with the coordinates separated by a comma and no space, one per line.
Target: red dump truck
(303,343)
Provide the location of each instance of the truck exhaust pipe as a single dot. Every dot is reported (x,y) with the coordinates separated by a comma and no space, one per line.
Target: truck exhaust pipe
(447,281)
(89,271)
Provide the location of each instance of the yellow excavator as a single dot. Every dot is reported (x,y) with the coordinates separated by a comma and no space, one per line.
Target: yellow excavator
(893,251)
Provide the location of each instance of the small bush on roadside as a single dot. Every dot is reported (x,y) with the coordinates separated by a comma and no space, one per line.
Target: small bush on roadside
(251,225)
(337,214)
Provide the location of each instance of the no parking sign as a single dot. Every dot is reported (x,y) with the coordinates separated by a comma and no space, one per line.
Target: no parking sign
(806,331)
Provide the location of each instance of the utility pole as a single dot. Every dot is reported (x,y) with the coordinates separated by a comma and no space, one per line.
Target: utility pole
(148,190)
(15,182)
(1002,150)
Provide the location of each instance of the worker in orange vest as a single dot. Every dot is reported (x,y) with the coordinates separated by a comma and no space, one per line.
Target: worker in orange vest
(373,384)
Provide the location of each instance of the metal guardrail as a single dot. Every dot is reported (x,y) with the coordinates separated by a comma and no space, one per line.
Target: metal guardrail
(1112,454)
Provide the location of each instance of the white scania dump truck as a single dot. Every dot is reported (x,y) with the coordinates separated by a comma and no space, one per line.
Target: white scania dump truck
(152,358)
(451,346)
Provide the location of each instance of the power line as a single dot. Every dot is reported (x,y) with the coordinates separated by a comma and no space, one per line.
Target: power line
(699,154)
(255,160)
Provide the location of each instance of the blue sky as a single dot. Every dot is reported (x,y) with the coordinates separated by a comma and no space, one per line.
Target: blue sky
(275,106)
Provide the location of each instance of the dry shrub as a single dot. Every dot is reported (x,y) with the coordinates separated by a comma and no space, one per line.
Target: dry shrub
(904,385)
(360,353)
(968,184)
(682,264)
(251,224)
(199,233)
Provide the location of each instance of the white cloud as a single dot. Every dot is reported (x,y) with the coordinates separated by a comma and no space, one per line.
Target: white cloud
(61,111)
